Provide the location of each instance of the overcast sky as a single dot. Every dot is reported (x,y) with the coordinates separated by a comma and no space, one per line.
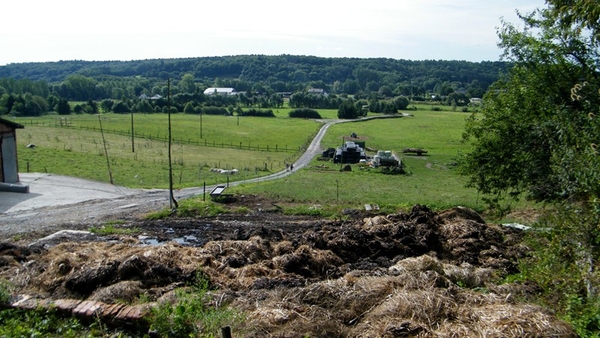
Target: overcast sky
(42,30)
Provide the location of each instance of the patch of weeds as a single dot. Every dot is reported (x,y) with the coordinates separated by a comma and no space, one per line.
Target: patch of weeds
(191,314)
(4,292)
(162,214)
(17,237)
(199,208)
(110,229)
(583,314)
(242,210)
(42,323)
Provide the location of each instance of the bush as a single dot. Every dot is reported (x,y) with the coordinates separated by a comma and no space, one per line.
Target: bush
(305,113)
(215,111)
(257,112)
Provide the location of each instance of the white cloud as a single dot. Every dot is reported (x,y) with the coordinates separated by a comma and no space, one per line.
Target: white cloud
(39,30)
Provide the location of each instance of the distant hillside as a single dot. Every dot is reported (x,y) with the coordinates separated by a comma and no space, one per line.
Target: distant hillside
(280,73)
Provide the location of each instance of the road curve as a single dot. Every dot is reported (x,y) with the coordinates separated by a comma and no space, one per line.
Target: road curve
(19,214)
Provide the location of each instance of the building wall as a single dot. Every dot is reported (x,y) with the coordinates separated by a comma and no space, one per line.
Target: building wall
(5,133)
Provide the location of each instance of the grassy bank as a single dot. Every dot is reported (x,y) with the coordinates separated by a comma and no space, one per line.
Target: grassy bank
(431,179)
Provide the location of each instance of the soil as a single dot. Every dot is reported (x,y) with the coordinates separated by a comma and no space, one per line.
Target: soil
(365,274)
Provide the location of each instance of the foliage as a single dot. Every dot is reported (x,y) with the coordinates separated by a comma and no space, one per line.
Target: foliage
(305,113)
(4,292)
(83,80)
(537,135)
(257,112)
(541,120)
(349,110)
(196,207)
(307,211)
(49,323)
(191,315)
(401,102)
(215,111)
(566,246)
(63,107)
(111,229)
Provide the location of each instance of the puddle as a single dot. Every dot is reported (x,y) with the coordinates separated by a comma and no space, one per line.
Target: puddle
(190,240)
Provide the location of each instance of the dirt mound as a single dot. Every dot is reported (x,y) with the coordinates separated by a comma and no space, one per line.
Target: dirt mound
(378,275)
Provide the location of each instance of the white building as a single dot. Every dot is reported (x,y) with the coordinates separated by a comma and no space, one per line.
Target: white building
(219,91)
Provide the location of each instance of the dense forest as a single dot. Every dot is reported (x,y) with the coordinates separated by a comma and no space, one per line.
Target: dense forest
(262,79)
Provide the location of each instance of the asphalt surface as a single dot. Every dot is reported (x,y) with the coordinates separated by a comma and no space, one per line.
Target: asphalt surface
(55,200)
(54,190)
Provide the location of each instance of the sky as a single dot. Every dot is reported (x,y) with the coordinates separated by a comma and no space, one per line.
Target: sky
(42,30)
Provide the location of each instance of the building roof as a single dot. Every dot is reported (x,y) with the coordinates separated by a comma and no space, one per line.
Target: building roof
(219,90)
(11,124)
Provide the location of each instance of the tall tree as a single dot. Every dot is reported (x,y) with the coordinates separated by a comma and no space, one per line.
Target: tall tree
(63,107)
(537,136)
(187,84)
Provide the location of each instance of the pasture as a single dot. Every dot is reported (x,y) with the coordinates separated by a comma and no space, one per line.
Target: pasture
(73,145)
(431,180)
(256,147)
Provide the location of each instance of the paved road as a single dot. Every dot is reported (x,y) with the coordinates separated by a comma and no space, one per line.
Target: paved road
(54,201)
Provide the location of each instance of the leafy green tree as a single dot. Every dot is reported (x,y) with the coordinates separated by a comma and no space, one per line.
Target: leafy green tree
(385,91)
(187,84)
(63,107)
(276,100)
(348,110)
(537,137)
(106,105)
(189,108)
(401,102)
(120,107)
(92,107)
(78,87)
(78,109)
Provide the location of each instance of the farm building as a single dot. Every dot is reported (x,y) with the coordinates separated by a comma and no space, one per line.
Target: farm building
(219,91)
(9,171)
(350,152)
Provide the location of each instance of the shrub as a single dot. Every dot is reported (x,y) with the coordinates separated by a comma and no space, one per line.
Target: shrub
(305,113)
(215,111)
(257,112)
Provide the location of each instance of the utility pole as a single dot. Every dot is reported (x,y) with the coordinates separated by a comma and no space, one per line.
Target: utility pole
(105,151)
(172,201)
(132,134)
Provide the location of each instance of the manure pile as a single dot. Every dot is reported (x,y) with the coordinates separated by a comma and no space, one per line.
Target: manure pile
(419,274)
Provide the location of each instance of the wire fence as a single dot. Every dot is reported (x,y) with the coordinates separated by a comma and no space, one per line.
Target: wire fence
(159,137)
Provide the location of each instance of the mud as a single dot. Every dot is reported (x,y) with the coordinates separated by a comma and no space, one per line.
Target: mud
(367,274)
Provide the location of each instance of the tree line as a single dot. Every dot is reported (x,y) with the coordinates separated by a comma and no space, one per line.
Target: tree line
(83,80)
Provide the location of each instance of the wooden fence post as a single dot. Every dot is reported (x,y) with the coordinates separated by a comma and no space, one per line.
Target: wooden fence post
(226,332)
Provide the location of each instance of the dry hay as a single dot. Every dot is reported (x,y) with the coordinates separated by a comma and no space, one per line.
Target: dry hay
(369,308)
(124,291)
(468,275)
(387,276)
(407,304)
(76,270)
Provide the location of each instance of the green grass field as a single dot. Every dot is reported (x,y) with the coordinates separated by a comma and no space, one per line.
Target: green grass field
(431,180)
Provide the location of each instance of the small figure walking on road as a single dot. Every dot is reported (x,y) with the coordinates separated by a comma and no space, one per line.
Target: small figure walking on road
(292,166)
(287,166)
